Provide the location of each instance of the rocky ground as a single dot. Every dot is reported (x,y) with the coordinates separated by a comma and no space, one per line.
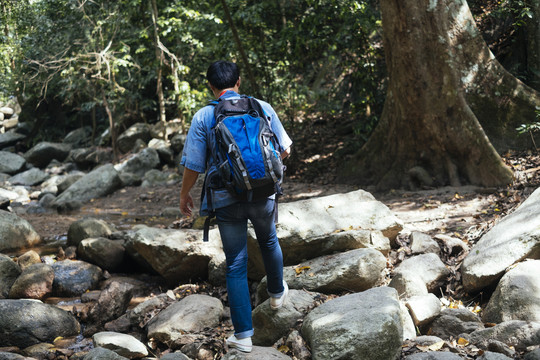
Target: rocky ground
(465,213)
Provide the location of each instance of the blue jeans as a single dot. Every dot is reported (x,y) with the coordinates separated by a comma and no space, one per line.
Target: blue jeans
(232,223)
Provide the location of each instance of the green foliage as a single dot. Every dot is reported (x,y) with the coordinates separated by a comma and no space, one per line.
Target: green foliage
(531,127)
(519,10)
(321,56)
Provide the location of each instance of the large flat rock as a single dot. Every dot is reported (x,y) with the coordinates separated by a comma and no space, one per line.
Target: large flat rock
(515,238)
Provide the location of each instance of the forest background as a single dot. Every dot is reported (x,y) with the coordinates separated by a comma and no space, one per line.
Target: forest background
(110,64)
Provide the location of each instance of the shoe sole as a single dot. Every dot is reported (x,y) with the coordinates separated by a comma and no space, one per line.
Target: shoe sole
(275,307)
(242,348)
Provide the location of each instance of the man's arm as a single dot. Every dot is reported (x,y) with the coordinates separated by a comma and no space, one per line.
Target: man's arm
(186,201)
(286,153)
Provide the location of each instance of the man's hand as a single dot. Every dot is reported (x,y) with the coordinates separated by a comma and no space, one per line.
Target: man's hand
(186,201)
(186,204)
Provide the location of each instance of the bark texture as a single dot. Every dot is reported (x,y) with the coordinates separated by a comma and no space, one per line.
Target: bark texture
(533,43)
(428,134)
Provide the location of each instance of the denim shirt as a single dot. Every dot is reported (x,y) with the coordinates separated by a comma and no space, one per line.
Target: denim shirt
(197,154)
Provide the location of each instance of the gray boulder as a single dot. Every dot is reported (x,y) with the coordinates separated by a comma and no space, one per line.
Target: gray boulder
(434,355)
(105,253)
(178,355)
(42,154)
(88,228)
(100,353)
(364,325)
(162,130)
(79,137)
(423,309)
(143,311)
(453,322)
(87,158)
(177,142)
(517,296)
(270,325)
(97,183)
(35,282)
(68,180)
(140,163)
(9,272)
(418,275)
(51,184)
(355,270)
(490,355)
(10,138)
(74,277)
(30,177)
(258,353)
(452,245)
(11,163)
(192,314)
(423,243)
(16,233)
(126,141)
(16,193)
(112,303)
(427,340)
(11,123)
(517,333)
(513,239)
(7,111)
(46,200)
(165,152)
(311,228)
(28,258)
(12,356)
(122,344)
(27,322)
(177,255)
(407,323)
(155,177)
(532,355)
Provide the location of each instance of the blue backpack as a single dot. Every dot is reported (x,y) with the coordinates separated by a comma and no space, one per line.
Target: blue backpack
(245,151)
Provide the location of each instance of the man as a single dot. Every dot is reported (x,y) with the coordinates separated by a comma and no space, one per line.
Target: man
(232,214)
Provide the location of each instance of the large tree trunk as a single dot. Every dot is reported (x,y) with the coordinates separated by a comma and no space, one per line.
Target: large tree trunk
(499,100)
(428,134)
(533,43)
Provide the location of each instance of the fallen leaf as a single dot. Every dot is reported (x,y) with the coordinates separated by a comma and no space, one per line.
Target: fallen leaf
(301,269)
(433,347)
(57,339)
(436,346)
(284,349)
(463,342)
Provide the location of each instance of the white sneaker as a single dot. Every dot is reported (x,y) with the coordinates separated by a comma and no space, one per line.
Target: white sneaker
(244,344)
(276,303)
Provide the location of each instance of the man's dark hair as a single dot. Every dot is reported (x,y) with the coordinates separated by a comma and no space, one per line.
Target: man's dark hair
(223,74)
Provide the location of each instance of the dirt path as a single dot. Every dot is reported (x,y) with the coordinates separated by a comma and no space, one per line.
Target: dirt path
(444,210)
